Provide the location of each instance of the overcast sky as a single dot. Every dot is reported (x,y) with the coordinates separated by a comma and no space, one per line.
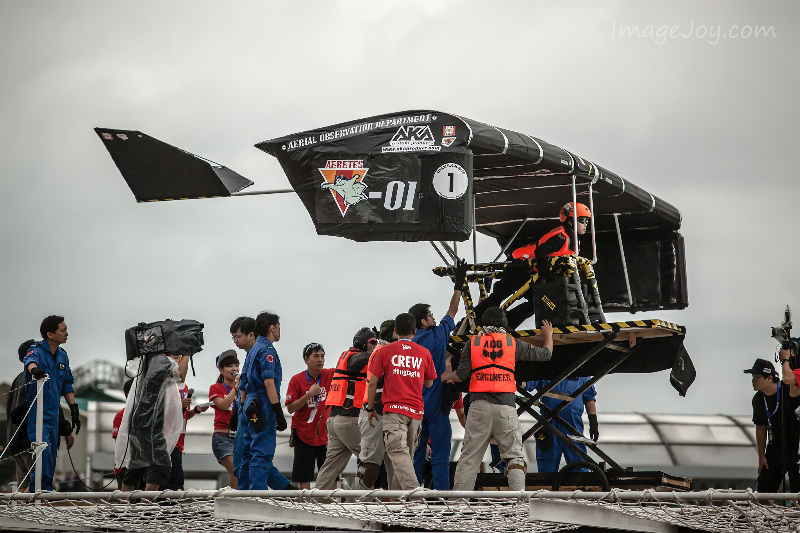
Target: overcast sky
(696,102)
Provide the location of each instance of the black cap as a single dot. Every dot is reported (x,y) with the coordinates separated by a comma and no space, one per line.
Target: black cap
(762,367)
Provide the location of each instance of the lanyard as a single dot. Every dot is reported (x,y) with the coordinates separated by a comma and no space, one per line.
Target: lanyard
(777,403)
(308,377)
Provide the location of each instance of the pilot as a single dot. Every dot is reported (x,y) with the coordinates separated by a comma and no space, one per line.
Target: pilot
(557,242)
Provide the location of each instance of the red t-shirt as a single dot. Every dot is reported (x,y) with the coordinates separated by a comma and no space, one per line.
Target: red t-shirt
(310,420)
(222,418)
(117,423)
(182,438)
(459,404)
(405,366)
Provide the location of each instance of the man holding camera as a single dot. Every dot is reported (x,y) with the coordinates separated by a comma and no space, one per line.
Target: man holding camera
(789,367)
(152,422)
(777,428)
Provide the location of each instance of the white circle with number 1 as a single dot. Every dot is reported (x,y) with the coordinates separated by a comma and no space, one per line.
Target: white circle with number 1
(450,181)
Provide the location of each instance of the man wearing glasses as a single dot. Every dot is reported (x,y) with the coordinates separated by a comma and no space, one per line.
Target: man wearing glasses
(243,336)
(435,424)
(554,244)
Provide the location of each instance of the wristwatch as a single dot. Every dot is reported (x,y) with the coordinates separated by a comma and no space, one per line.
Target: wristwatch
(368,409)
(784,361)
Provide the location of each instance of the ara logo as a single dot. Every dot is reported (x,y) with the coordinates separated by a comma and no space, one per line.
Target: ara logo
(122,136)
(411,138)
(345,180)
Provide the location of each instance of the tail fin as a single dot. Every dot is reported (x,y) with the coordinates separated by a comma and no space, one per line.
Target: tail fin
(156,171)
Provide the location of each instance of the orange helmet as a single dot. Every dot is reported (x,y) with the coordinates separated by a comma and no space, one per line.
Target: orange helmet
(566,211)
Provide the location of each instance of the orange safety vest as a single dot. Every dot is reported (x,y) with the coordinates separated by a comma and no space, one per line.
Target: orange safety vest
(492,356)
(369,376)
(346,386)
(529,251)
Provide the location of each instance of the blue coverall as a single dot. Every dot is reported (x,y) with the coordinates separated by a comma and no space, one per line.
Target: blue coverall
(549,460)
(435,424)
(238,447)
(256,471)
(59,384)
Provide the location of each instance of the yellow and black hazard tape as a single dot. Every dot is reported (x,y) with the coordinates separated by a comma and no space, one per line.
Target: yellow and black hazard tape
(598,328)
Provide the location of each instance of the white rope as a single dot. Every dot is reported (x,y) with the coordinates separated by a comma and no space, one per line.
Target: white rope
(36,451)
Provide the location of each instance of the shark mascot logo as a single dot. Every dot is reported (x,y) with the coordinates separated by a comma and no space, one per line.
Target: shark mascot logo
(345,180)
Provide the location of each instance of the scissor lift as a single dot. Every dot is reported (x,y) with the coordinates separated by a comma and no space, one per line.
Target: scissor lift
(594,350)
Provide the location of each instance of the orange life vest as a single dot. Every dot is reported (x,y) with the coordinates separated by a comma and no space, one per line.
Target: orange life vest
(529,251)
(378,392)
(346,387)
(493,356)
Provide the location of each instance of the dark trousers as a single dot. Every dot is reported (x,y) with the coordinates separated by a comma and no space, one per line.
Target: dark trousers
(770,479)
(176,474)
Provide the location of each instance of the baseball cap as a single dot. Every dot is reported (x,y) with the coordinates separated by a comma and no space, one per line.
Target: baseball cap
(227,357)
(762,367)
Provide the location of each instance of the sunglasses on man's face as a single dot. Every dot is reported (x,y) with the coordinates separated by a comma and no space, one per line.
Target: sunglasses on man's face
(583,221)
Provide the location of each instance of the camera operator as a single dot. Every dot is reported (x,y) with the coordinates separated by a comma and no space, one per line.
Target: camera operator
(777,428)
(152,422)
(789,368)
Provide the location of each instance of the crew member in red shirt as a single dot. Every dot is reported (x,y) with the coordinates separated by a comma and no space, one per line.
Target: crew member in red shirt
(176,477)
(405,367)
(222,395)
(115,425)
(305,401)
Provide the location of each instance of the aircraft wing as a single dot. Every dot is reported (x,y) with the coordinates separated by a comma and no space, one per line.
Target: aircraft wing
(427,172)
(156,171)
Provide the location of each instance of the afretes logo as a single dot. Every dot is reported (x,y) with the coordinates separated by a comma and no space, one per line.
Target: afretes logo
(345,180)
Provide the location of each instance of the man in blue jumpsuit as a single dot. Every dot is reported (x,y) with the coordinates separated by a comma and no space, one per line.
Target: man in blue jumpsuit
(260,385)
(244,337)
(435,424)
(47,358)
(549,448)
